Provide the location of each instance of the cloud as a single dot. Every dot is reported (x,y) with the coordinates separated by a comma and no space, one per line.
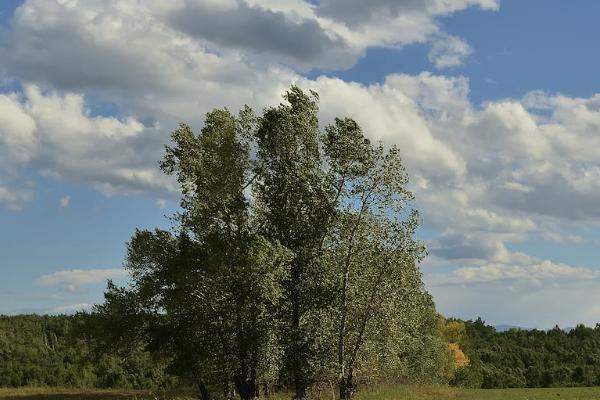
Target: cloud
(64,202)
(261,33)
(387,113)
(357,12)
(60,139)
(557,237)
(17,132)
(537,271)
(72,280)
(449,51)
(461,246)
(14,196)
(160,48)
(71,308)
(528,292)
(159,69)
(486,175)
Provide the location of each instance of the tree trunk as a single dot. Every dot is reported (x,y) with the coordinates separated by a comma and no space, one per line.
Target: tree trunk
(298,349)
(347,387)
(246,384)
(300,393)
(202,389)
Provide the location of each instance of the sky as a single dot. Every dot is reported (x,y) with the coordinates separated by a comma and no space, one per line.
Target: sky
(495,105)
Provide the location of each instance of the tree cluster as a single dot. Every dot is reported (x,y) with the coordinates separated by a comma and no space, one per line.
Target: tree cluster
(291,264)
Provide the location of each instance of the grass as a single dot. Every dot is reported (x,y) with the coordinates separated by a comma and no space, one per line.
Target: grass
(439,393)
(381,393)
(87,394)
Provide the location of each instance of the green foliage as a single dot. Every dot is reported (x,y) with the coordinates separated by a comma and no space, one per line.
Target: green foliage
(43,351)
(536,358)
(470,375)
(292,262)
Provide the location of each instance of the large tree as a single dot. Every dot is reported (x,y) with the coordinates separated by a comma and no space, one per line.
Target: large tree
(370,249)
(292,256)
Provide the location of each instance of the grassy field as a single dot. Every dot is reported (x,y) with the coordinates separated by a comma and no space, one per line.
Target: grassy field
(396,393)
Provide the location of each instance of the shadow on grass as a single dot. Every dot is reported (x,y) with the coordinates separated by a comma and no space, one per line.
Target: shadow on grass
(82,396)
(91,395)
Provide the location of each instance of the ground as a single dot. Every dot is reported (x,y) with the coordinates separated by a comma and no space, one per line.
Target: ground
(396,393)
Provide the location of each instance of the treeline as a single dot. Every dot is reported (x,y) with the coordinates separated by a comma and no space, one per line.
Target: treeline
(62,351)
(521,358)
(53,351)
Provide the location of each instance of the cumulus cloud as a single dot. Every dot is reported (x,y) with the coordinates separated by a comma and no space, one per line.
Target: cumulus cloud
(522,302)
(387,113)
(536,272)
(464,246)
(486,176)
(72,280)
(261,33)
(55,134)
(356,12)
(152,63)
(17,132)
(128,45)
(449,51)
(14,196)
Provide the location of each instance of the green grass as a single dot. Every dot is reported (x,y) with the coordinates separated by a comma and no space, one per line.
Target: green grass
(87,394)
(437,393)
(381,393)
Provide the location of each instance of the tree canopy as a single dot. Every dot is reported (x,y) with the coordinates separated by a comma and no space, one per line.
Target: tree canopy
(292,261)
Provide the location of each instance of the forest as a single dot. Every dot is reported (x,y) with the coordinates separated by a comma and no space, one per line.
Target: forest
(54,351)
(533,358)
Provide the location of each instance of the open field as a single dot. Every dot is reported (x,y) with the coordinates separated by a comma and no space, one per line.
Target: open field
(396,393)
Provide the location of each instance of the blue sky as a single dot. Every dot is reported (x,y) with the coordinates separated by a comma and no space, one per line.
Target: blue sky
(492,103)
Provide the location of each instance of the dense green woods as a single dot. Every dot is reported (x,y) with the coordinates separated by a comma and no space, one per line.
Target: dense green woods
(52,351)
(534,358)
(61,351)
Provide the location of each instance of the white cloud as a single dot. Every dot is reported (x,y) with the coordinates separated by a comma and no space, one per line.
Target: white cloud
(557,237)
(485,176)
(72,280)
(525,291)
(71,308)
(449,51)
(14,196)
(62,140)
(133,56)
(17,133)
(523,303)
(536,272)
(387,113)
(64,202)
